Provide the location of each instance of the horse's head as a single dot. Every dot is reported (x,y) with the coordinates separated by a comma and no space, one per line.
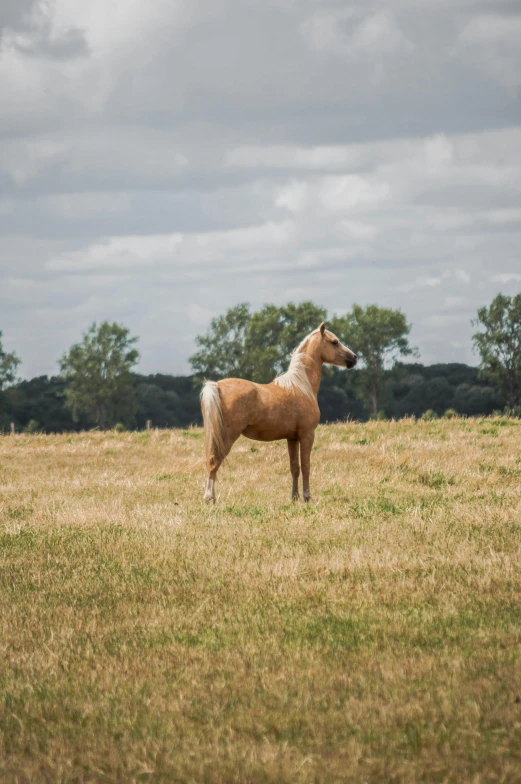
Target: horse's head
(333,352)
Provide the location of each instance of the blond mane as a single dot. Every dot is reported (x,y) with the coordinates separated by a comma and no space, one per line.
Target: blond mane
(295,376)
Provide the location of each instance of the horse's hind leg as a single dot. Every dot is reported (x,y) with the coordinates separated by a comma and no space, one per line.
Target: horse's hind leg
(293,449)
(209,492)
(214,463)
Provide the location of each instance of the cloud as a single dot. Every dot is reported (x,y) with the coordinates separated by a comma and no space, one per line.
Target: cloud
(490,42)
(351,192)
(184,251)
(118,252)
(506,277)
(292,196)
(79,206)
(161,161)
(355,36)
(14,12)
(457,276)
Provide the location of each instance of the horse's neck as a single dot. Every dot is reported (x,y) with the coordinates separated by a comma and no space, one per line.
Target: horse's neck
(313,368)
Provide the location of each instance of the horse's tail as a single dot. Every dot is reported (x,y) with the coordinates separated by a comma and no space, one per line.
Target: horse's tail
(211,407)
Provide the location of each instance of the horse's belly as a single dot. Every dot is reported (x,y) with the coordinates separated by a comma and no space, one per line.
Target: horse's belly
(270,424)
(270,432)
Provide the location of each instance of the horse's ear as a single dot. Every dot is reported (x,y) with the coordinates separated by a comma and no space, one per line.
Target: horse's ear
(322,327)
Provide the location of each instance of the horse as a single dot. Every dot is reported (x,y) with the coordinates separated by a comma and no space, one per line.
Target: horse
(286,408)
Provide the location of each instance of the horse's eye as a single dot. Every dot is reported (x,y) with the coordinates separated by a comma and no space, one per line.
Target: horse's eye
(334,342)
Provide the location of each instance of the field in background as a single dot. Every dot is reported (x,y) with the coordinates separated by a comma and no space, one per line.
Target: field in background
(372,635)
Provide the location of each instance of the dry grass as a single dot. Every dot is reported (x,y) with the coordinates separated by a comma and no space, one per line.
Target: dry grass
(372,635)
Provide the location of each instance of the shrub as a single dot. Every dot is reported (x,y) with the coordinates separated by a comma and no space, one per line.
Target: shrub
(119,428)
(380,416)
(450,413)
(512,411)
(428,415)
(33,426)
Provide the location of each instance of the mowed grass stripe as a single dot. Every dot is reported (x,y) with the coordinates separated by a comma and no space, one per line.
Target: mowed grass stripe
(372,634)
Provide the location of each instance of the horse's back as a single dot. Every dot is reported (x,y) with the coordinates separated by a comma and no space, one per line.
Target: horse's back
(239,403)
(237,390)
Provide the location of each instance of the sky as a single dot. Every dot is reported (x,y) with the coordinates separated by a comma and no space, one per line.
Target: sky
(164,160)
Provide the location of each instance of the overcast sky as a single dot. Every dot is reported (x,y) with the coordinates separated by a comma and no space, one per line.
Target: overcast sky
(163,160)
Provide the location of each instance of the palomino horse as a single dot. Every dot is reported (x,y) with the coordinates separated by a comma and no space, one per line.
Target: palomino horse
(286,408)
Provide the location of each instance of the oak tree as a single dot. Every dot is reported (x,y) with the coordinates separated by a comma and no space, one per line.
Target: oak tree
(499,345)
(98,374)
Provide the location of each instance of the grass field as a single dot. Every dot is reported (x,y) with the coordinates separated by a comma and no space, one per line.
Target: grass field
(373,635)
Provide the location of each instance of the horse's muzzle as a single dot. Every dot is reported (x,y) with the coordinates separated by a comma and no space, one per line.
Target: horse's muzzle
(350,363)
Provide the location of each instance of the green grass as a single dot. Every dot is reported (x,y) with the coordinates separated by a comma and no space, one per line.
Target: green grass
(372,635)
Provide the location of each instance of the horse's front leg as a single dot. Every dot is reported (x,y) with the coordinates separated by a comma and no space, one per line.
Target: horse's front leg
(293,449)
(306,444)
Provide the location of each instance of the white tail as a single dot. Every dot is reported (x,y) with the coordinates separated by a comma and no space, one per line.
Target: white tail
(213,420)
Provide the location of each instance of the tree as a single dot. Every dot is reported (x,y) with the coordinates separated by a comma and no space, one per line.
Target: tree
(221,350)
(412,389)
(338,399)
(272,335)
(168,401)
(8,367)
(98,374)
(379,336)
(500,345)
(255,346)
(42,399)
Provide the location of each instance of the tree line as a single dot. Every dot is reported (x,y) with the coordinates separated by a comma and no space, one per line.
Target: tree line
(98,387)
